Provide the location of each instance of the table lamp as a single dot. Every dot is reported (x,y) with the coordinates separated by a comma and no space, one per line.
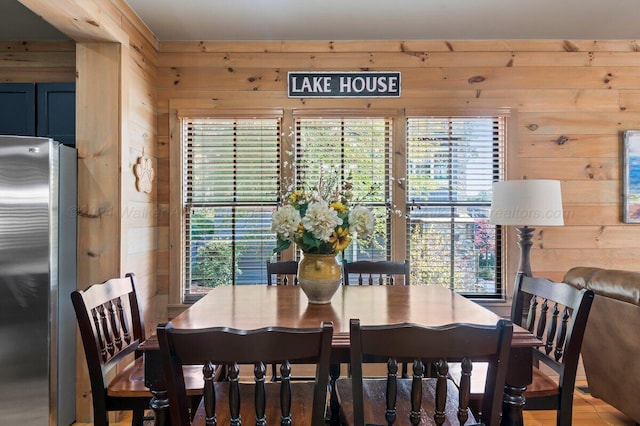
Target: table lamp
(525,203)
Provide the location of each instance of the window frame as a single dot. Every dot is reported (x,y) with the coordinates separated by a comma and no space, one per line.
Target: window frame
(172,215)
(223,147)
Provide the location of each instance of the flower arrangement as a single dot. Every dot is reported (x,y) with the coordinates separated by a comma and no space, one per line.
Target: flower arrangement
(321,218)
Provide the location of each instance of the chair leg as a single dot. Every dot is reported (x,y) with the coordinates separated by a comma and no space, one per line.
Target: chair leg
(138,417)
(195,402)
(564,416)
(565,410)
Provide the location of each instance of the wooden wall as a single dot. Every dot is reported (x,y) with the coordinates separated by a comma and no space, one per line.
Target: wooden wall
(569,101)
(119,232)
(139,236)
(37,61)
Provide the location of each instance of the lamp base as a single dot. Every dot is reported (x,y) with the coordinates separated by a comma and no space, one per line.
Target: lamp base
(525,235)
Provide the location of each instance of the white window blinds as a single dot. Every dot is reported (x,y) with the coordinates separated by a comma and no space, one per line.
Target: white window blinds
(231,171)
(355,147)
(451,165)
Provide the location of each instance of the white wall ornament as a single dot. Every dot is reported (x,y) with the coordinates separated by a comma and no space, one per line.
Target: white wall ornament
(144,174)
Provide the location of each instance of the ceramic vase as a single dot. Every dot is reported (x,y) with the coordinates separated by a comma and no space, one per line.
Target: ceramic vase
(319,276)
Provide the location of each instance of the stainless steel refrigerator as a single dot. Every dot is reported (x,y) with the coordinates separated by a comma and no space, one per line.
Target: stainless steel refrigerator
(38,198)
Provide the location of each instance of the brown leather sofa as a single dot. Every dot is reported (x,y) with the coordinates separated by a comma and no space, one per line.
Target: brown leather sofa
(611,344)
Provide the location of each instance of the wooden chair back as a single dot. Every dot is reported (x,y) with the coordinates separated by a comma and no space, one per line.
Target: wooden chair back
(557,314)
(372,273)
(261,402)
(111,328)
(404,400)
(384,272)
(281,273)
(285,272)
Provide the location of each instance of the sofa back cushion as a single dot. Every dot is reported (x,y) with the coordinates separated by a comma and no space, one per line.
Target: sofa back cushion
(616,284)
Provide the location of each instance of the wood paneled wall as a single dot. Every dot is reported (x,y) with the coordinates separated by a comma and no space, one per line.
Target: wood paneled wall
(122,238)
(37,61)
(569,100)
(139,214)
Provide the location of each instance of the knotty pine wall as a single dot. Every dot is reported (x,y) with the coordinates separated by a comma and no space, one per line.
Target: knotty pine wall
(117,223)
(37,61)
(139,209)
(569,101)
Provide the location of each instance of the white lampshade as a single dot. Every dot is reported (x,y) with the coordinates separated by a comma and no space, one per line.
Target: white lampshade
(528,202)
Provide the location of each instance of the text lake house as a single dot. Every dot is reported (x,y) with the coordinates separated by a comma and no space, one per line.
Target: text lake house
(343,84)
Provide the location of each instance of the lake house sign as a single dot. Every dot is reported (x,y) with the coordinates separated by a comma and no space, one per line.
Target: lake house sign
(371,84)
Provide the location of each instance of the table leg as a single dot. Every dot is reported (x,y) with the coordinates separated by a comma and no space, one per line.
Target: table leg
(160,406)
(512,405)
(519,375)
(154,380)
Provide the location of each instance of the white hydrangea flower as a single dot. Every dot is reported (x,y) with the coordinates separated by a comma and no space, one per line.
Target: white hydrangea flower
(361,221)
(285,221)
(321,220)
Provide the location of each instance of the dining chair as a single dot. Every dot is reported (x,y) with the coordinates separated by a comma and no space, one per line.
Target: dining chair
(401,401)
(111,328)
(285,272)
(232,400)
(375,272)
(556,313)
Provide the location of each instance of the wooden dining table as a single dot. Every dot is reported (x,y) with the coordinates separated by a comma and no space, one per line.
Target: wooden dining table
(257,306)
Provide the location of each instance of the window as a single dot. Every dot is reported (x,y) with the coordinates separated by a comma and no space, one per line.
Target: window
(231,171)
(451,165)
(235,170)
(359,147)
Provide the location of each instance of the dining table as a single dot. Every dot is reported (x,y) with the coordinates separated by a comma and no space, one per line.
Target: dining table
(255,306)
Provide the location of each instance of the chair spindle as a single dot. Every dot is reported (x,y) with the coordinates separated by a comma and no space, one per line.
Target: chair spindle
(392,390)
(465,390)
(285,394)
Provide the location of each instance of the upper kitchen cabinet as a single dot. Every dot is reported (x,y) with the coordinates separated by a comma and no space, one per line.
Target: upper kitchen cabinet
(56,111)
(39,109)
(18,109)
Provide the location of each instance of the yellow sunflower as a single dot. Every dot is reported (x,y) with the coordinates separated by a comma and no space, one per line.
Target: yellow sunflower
(295,196)
(339,207)
(300,230)
(340,239)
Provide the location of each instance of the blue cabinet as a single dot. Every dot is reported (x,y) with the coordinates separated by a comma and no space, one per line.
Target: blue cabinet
(56,111)
(39,109)
(18,109)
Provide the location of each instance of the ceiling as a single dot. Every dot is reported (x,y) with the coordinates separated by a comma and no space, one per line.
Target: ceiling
(19,23)
(361,19)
